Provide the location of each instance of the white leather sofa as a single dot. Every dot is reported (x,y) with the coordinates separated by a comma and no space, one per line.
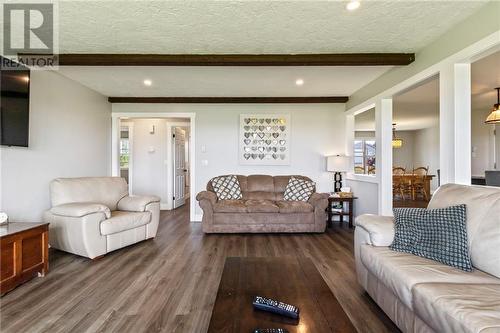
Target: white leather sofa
(95,215)
(422,295)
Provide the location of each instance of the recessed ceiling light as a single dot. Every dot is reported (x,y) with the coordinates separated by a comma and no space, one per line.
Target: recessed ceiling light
(353,5)
(148,82)
(299,82)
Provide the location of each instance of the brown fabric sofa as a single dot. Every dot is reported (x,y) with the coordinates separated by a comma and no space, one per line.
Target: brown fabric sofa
(262,208)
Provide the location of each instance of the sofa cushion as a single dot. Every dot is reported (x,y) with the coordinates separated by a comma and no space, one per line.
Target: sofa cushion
(227,187)
(261,206)
(298,190)
(121,221)
(260,183)
(259,195)
(401,272)
(230,206)
(290,207)
(459,307)
(439,234)
(483,221)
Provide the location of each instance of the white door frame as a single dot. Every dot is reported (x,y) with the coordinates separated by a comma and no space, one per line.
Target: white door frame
(170,157)
(115,146)
(130,126)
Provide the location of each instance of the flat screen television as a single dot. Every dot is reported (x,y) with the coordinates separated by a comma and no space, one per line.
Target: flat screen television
(15,106)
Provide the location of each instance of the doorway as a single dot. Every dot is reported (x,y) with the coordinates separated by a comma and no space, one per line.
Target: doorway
(156,130)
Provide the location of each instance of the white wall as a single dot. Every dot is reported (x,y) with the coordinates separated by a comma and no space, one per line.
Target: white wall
(426,151)
(403,157)
(483,147)
(316,130)
(69,137)
(367,193)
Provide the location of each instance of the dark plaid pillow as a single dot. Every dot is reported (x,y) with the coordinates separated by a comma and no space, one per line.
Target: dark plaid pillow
(227,187)
(437,234)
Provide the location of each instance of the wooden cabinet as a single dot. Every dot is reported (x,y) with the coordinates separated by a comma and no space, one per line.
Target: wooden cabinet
(24,253)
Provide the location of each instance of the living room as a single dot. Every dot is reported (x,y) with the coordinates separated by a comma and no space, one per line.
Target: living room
(163,175)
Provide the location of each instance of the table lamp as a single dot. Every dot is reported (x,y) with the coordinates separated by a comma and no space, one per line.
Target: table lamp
(337,164)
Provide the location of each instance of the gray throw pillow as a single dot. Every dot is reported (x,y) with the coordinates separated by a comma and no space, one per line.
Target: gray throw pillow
(227,188)
(437,234)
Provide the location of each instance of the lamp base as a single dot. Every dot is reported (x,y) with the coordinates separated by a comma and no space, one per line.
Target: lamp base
(337,177)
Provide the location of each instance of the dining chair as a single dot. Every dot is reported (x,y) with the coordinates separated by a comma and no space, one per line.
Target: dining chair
(418,183)
(398,182)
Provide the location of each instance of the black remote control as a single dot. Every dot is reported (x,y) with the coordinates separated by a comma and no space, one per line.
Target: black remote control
(270,330)
(270,305)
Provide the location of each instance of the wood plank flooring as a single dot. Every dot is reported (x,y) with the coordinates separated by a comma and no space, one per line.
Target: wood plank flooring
(169,284)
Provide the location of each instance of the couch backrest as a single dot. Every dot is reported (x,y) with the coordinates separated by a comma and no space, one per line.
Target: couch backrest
(483,221)
(104,190)
(262,186)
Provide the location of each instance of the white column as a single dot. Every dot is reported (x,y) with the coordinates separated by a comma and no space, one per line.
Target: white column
(462,96)
(447,125)
(115,146)
(349,133)
(455,124)
(383,119)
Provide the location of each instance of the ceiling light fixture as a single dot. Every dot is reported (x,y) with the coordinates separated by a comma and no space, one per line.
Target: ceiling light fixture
(494,116)
(396,142)
(148,82)
(299,82)
(352,5)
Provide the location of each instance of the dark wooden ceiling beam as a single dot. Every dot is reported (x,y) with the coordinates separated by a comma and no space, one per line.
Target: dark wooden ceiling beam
(346,59)
(229,100)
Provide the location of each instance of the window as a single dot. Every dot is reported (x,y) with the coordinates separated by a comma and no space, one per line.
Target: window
(364,156)
(124,148)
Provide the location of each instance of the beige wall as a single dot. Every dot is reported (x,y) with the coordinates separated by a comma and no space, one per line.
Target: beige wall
(70,128)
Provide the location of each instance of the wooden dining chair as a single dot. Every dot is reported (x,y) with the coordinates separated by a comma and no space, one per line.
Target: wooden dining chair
(371,170)
(418,183)
(398,182)
(359,170)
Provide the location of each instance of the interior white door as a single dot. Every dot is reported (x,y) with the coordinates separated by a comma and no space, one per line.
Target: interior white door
(179,139)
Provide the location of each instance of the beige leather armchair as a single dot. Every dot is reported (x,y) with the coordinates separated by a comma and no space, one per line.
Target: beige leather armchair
(95,215)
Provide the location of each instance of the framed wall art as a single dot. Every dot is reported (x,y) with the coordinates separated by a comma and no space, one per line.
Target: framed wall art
(264,139)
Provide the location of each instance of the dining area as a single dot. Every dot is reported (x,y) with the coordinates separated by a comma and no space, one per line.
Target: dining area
(411,187)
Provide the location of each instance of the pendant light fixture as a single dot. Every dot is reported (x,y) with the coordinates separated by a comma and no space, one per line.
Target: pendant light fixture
(396,142)
(494,116)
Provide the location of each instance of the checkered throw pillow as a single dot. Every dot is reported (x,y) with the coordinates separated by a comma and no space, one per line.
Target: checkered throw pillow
(227,187)
(298,189)
(437,234)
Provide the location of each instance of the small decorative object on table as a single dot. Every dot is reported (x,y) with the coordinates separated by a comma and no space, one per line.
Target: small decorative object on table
(4,218)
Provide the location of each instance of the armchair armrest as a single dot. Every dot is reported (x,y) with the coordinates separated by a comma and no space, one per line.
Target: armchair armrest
(136,203)
(380,229)
(80,209)
(207,195)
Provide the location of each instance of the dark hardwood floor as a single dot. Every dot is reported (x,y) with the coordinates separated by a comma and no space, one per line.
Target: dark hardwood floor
(169,284)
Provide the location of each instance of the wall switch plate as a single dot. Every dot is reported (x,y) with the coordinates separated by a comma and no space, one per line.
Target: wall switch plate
(204,162)
(203,149)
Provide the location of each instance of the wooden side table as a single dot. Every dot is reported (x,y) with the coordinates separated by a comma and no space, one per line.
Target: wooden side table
(25,253)
(342,201)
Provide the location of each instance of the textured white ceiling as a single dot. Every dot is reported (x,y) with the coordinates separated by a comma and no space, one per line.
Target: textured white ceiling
(255,26)
(223,81)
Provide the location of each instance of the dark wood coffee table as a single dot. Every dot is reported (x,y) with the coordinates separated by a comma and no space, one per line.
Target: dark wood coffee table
(293,280)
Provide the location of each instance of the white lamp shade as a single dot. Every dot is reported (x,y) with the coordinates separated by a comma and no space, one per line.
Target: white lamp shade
(337,163)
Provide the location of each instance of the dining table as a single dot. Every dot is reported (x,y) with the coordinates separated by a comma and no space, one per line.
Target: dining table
(410,179)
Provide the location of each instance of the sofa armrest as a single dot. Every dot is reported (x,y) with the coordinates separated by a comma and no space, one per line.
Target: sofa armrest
(80,209)
(380,229)
(318,199)
(207,195)
(136,203)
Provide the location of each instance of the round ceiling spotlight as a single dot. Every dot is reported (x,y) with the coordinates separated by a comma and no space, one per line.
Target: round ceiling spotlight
(299,82)
(148,82)
(352,5)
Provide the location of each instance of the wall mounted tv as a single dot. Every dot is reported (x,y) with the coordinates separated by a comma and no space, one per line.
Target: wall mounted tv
(15,104)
